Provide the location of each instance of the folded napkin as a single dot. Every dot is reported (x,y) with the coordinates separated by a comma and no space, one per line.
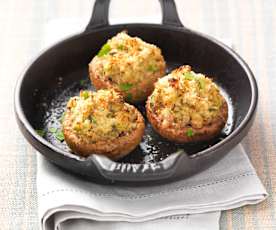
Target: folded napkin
(67,202)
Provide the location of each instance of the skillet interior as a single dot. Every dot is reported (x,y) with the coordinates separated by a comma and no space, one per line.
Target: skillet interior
(56,75)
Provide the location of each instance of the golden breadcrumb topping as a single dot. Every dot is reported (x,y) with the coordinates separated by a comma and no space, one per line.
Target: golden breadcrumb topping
(100,115)
(126,61)
(186,98)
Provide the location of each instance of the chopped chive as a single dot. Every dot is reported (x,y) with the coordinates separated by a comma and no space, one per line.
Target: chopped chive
(40,132)
(189,76)
(152,68)
(82,82)
(104,50)
(189,133)
(59,135)
(129,97)
(125,86)
(52,129)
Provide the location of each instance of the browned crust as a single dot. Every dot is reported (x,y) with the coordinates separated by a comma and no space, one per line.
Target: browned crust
(205,133)
(114,149)
(139,93)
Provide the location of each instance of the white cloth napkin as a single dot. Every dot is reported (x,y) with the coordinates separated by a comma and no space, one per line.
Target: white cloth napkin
(67,202)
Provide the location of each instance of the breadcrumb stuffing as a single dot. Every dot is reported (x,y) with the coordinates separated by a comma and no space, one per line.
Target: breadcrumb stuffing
(185,98)
(100,115)
(126,60)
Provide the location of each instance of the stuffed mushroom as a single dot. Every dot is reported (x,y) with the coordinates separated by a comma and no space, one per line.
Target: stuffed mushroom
(186,106)
(129,65)
(102,123)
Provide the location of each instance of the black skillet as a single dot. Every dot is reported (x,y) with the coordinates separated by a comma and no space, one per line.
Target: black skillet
(61,71)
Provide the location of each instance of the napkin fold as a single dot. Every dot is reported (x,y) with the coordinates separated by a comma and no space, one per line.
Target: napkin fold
(67,202)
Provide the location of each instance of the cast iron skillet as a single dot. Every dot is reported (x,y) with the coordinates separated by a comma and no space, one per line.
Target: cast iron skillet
(44,88)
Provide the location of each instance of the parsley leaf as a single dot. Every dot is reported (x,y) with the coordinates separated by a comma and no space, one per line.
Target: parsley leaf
(201,83)
(85,94)
(59,135)
(52,129)
(189,76)
(104,50)
(82,82)
(120,47)
(190,132)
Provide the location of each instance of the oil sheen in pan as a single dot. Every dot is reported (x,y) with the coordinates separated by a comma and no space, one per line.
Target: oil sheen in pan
(153,147)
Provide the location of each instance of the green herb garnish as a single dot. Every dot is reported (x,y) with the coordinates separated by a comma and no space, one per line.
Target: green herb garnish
(125,86)
(120,47)
(62,118)
(52,129)
(104,50)
(152,68)
(189,133)
(212,109)
(40,132)
(129,97)
(82,82)
(85,94)
(93,119)
(59,135)
(189,76)
(151,100)
(201,83)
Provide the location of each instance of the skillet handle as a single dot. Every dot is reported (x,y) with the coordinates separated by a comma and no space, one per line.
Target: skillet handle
(99,17)
(169,13)
(115,171)
(100,14)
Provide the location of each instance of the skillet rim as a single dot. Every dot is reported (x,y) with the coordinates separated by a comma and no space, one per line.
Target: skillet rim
(25,124)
